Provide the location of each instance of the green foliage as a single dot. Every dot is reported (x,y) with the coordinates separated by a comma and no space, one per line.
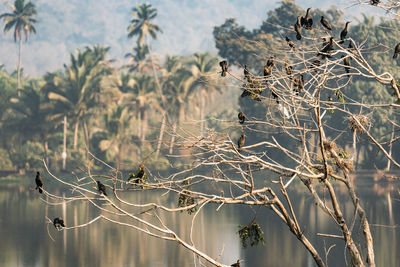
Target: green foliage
(251,233)
(28,156)
(186,199)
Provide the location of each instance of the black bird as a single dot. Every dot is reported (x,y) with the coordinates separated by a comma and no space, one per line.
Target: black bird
(315,64)
(237,264)
(298,84)
(246,73)
(290,43)
(289,70)
(327,49)
(346,62)
(240,142)
(297,28)
(224,67)
(396,50)
(325,23)
(343,33)
(39,182)
(275,96)
(241,117)
(267,70)
(102,188)
(58,223)
(350,47)
(374,2)
(270,62)
(307,22)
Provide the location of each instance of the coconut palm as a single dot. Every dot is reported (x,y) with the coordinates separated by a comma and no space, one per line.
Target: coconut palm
(78,90)
(21,19)
(140,24)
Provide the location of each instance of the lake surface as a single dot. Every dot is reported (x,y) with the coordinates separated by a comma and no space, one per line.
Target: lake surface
(25,239)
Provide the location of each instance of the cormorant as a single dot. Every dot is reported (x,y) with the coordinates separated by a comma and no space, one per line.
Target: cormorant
(350,45)
(315,64)
(298,84)
(375,2)
(267,70)
(241,117)
(237,264)
(343,33)
(289,70)
(325,23)
(240,142)
(297,28)
(396,50)
(39,182)
(307,22)
(270,62)
(102,188)
(58,223)
(328,48)
(224,67)
(346,62)
(246,73)
(290,43)
(138,177)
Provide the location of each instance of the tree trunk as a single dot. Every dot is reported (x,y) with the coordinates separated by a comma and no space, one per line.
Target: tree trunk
(171,145)
(19,66)
(76,134)
(390,149)
(202,107)
(64,153)
(181,113)
(160,138)
(144,124)
(86,140)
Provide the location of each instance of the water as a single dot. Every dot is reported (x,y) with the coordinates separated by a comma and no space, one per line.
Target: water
(25,239)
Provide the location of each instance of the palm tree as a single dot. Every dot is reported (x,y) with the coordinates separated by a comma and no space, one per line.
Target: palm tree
(22,20)
(141,26)
(78,89)
(32,115)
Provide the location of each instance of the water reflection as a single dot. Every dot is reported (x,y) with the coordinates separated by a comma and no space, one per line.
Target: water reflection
(25,241)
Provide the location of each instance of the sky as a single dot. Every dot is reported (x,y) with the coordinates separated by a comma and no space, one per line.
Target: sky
(187,25)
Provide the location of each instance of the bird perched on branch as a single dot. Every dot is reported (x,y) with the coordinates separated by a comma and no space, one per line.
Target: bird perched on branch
(139,176)
(297,28)
(237,264)
(101,187)
(241,117)
(240,142)
(289,70)
(374,2)
(396,50)
(290,43)
(344,32)
(224,67)
(315,64)
(325,23)
(58,223)
(307,22)
(267,70)
(346,62)
(39,183)
(327,49)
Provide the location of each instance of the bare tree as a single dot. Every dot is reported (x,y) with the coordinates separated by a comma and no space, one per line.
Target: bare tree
(302,143)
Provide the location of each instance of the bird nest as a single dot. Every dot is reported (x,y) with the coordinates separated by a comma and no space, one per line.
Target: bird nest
(356,121)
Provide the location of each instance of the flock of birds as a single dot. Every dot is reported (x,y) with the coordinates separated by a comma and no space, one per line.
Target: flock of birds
(59,222)
(306,23)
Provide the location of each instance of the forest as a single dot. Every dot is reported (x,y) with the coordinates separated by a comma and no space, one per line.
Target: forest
(117,111)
